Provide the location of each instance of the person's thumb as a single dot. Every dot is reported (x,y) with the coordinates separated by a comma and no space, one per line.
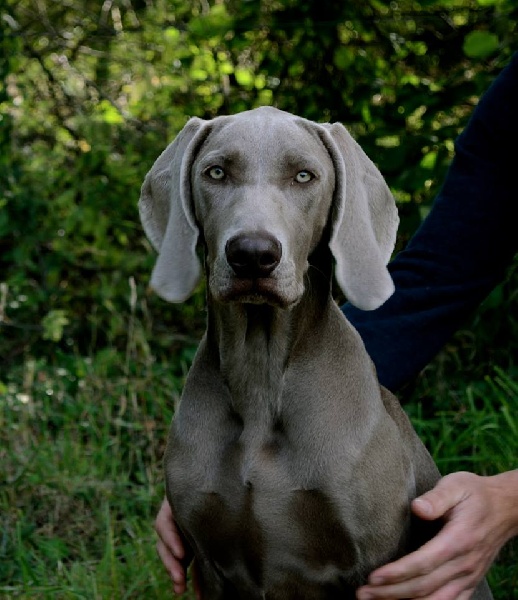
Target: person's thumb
(435,503)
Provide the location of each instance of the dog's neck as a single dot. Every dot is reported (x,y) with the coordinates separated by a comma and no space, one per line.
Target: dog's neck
(255,342)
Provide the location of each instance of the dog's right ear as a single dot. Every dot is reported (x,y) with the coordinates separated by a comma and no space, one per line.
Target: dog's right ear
(365,222)
(166,213)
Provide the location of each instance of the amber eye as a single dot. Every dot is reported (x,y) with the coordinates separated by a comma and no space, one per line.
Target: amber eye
(216,173)
(304,176)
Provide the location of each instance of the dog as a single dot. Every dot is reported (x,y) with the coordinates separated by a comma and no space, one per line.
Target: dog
(289,469)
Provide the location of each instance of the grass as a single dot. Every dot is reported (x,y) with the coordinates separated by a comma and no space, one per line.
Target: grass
(81,478)
(479,434)
(81,461)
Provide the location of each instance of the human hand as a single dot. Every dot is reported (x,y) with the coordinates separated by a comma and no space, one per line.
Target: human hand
(480,514)
(172,551)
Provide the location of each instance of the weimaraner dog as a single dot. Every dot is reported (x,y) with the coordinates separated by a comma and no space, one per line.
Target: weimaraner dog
(289,469)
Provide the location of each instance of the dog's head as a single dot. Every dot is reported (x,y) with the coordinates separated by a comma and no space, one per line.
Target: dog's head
(260,188)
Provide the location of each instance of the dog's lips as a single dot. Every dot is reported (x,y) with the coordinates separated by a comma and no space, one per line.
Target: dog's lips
(263,290)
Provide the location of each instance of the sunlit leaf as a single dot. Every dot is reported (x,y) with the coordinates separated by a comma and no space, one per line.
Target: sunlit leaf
(109,113)
(480,44)
(429,159)
(244,77)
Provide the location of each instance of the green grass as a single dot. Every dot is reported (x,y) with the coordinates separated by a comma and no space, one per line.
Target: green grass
(478,431)
(81,478)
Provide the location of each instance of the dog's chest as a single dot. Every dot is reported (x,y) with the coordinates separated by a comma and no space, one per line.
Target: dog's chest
(251,518)
(251,499)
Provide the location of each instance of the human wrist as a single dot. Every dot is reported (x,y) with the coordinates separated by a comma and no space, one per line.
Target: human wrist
(505,489)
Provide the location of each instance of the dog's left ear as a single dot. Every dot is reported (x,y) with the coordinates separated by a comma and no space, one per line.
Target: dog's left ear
(365,222)
(167,216)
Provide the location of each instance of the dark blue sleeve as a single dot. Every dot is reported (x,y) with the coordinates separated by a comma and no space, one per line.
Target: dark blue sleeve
(462,249)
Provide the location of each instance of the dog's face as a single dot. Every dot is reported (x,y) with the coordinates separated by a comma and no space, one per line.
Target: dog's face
(261,191)
(259,188)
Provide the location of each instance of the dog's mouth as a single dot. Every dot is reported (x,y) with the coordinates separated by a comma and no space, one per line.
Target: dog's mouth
(263,290)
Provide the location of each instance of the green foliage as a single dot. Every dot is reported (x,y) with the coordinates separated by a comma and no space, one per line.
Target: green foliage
(90,94)
(93,92)
(480,44)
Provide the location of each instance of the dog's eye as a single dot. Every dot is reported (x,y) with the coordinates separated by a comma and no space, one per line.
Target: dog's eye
(304,176)
(216,173)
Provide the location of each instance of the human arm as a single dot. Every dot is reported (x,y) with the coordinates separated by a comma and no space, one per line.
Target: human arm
(455,259)
(462,249)
(481,515)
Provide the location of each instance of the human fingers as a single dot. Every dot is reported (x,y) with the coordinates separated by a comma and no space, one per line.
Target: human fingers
(443,548)
(447,593)
(171,549)
(167,531)
(450,491)
(446,582)
(173,566)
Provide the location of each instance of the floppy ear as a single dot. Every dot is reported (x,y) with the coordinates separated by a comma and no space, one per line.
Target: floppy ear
(365,222)
(166,213)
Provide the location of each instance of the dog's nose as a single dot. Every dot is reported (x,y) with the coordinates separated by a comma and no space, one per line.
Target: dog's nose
(253,255)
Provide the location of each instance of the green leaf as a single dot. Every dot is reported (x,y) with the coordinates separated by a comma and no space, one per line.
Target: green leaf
(429,160)
(54,323)
(244,77)
(109,113)
(343,57)
(480,44)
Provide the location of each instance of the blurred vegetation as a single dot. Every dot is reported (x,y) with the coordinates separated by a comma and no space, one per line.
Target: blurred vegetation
(90,94)
(93,91)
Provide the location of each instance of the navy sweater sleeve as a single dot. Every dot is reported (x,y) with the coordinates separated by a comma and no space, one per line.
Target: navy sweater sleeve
(461,250)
